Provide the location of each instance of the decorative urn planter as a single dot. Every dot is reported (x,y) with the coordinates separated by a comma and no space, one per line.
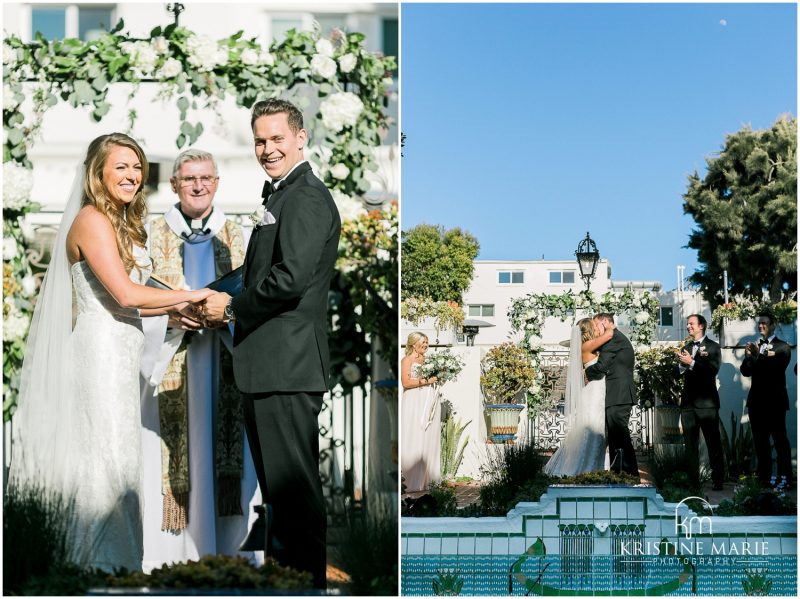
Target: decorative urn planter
(504,421)
(668,424)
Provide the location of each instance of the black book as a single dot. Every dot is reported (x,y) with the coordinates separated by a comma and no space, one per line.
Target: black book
(230,283)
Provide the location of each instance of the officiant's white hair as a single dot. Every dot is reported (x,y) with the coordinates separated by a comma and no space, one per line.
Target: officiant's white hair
(192,155)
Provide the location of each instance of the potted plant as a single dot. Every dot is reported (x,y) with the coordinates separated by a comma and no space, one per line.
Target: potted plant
(506,371)
(659,384)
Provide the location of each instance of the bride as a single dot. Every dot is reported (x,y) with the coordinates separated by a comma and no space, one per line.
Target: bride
(584,447)
(77,429)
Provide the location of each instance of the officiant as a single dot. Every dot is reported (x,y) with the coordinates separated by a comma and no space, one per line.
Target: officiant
(199,479)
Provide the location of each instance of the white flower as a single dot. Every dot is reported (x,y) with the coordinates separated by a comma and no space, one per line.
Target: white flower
(347,63)
(324,47)
(17,185)
(349,208)
(351,373)
(642,317)
(142,55)
(383,255)
(340,110)
(28,284)
(266,58)
(323,66)
(9,248)
(9,55)
(340,171)
(27,230)
(15,325)
(9,98)
(249,56)
(160,44)
(257,216)
(171,68)
(204,53)
(387,81)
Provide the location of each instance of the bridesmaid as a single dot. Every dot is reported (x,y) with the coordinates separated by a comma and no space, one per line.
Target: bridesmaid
(420,419)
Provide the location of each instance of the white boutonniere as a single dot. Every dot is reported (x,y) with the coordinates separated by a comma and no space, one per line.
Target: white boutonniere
(257,216)
(702,349)
(769,346)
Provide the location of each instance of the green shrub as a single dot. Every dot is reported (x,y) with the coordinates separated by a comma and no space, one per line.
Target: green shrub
(369,553)
(36,535)
(513,473)
(599,477)
(737,449)
(453,445)
(217,572)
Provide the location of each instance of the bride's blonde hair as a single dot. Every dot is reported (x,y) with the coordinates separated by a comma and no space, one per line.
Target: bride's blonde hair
(587,329)
(128,221)
(413,339)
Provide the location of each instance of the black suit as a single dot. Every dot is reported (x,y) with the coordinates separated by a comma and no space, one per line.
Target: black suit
(281,359)
(767,404)
(616,364)
(700,409)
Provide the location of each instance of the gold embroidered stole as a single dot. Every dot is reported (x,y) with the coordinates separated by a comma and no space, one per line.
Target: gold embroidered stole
(166,251)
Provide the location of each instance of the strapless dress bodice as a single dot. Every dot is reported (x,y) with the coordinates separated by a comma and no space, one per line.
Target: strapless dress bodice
(93,298)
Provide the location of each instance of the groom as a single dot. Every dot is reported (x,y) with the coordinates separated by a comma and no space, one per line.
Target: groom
(280,353)
(616,364)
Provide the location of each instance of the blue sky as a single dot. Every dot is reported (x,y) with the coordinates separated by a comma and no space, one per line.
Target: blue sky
(528,125)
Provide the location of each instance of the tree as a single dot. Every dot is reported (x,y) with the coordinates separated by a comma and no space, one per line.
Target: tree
(437,264)
(746,214)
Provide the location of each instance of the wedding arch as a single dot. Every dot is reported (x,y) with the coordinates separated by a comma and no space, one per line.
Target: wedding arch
(195,72)
(527,316)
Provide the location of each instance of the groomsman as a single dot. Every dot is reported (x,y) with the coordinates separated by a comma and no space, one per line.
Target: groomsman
(280,344)
(699,364)
(768,400)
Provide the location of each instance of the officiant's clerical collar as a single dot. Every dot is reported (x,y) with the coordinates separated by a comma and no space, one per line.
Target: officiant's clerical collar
(195,224)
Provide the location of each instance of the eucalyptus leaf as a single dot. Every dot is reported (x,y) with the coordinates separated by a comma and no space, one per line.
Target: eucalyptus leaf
(84,92)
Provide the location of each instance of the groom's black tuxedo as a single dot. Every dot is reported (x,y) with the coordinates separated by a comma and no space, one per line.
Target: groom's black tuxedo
(616,364)
(281,359)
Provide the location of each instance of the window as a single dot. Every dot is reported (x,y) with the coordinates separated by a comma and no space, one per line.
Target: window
(665,316)
(391,45)
(92,22)
(562,277)
(50,22)
(480,310)
(508,277)
(84,22)
(280,25)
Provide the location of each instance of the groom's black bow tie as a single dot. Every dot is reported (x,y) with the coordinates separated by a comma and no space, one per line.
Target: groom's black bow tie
(762,341)
(269,189)
(696,343)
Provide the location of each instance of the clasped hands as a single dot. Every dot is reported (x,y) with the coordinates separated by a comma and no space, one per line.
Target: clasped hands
(208,313)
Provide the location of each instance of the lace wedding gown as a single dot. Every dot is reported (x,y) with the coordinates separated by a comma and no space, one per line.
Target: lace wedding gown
(421,416)
(584,447)
(106,346)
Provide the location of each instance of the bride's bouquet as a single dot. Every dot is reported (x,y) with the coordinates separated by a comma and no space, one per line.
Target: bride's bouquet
(444,365)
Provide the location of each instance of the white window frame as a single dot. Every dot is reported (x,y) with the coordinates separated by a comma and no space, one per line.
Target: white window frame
(71,17)
(481,314)
(561,277)
(511,274)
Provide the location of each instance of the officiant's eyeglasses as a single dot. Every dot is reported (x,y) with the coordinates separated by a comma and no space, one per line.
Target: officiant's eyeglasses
(205,180)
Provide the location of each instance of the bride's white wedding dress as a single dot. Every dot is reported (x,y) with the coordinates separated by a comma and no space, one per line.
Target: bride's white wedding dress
(106,345)
(584,447)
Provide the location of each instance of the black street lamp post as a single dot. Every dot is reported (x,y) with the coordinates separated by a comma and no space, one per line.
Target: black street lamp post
(587,256)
